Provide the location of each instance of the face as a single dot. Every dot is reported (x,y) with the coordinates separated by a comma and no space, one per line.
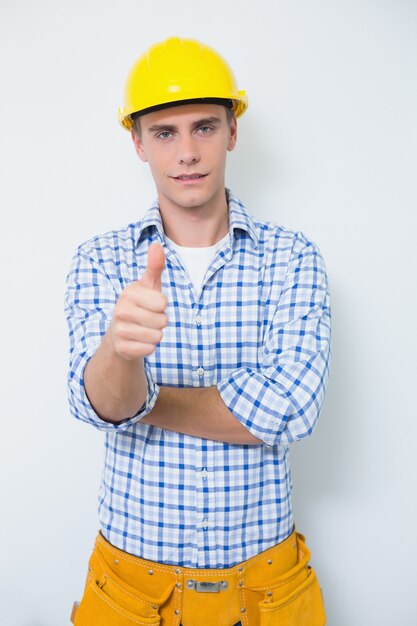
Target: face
(186,148)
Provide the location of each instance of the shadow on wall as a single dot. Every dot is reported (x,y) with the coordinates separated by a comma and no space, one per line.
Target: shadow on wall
(323,466)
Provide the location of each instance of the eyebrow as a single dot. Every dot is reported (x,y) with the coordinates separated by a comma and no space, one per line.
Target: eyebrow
(170,127)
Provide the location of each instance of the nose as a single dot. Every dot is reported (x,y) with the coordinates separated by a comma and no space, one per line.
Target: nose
(188,152)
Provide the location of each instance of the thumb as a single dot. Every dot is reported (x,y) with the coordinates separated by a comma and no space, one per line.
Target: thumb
(156,262)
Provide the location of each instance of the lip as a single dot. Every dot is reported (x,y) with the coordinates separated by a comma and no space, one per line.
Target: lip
(189,179)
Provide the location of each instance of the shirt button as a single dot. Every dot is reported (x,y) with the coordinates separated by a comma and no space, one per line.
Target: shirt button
(204,473)
(197,319)
(200,371)
(204,524)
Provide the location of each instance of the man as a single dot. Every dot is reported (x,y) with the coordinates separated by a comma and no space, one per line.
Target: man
(199,344)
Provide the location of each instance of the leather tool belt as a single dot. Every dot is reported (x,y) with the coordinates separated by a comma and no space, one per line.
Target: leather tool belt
(276,587)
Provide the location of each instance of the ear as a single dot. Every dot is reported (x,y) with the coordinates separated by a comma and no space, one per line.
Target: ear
(137,142)
(232,134)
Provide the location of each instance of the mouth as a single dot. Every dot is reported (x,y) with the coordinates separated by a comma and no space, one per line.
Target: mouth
(185,178)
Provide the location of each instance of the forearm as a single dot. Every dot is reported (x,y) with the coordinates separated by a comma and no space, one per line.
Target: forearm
(199,412)
(116,388)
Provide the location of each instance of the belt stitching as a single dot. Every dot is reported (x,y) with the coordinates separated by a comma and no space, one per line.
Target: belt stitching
(116,584)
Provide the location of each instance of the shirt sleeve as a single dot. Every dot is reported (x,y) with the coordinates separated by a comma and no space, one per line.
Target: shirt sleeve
(90,298)
(281,400)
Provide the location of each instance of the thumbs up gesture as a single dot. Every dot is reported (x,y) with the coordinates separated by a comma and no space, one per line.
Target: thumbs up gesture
(156,264)
(139,314)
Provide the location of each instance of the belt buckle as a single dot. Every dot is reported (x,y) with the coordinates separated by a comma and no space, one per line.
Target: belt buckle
(207,587)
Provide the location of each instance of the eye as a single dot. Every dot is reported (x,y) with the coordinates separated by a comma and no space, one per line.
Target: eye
(204,130)
(164,134)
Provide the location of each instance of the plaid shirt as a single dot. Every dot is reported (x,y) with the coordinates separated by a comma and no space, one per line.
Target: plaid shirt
(260,331)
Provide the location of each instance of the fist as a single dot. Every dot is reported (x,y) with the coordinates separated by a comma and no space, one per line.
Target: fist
(139,314)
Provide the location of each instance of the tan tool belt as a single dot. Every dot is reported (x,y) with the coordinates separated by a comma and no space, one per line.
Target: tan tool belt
(275,587)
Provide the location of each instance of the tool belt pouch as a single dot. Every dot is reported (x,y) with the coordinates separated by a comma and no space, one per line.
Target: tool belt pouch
(291,599)
(109,600)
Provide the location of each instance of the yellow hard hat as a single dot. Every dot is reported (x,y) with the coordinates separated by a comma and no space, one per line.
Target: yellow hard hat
(178,71)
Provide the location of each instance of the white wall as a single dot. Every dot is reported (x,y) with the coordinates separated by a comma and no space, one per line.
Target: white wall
(327,146)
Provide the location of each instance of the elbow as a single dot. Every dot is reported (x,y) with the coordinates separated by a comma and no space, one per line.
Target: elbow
(303,422)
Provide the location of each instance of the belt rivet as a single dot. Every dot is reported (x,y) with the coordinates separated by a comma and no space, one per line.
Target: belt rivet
(177,571)
(243,610)
(240,569)
(179,585)
(223,584)
(269,593)
(116,562)
(190,584)
(240,583)
(269,561)
(177,612)
(154,606)
(150,572)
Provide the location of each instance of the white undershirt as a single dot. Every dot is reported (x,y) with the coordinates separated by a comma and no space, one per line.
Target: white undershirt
(196,260)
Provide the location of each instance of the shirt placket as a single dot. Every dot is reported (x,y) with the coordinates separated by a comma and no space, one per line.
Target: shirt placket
(199,352)
(205,512)
(202,364)
(204,360)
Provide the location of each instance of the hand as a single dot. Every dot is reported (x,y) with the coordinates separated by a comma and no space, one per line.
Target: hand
(139,314)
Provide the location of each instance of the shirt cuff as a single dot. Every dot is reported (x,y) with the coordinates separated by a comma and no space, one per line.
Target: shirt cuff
(251,398)
(151,397)
(83,410)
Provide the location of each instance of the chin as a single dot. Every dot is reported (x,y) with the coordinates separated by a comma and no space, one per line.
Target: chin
(192,199)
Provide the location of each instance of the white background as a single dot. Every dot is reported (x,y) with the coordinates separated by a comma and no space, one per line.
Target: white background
(328,146)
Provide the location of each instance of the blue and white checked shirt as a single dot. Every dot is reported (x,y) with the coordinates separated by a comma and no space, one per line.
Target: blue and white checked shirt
(260,331)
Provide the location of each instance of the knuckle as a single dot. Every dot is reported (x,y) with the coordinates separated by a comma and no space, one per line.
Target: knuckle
(122,348)
(148,349)
(131,350)
(122,334)
(120,311)
(117,312)
(125,294)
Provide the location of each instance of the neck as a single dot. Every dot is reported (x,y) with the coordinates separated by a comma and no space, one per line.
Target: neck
(195,227)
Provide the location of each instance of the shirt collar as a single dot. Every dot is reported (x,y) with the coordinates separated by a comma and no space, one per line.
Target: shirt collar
(239,219)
